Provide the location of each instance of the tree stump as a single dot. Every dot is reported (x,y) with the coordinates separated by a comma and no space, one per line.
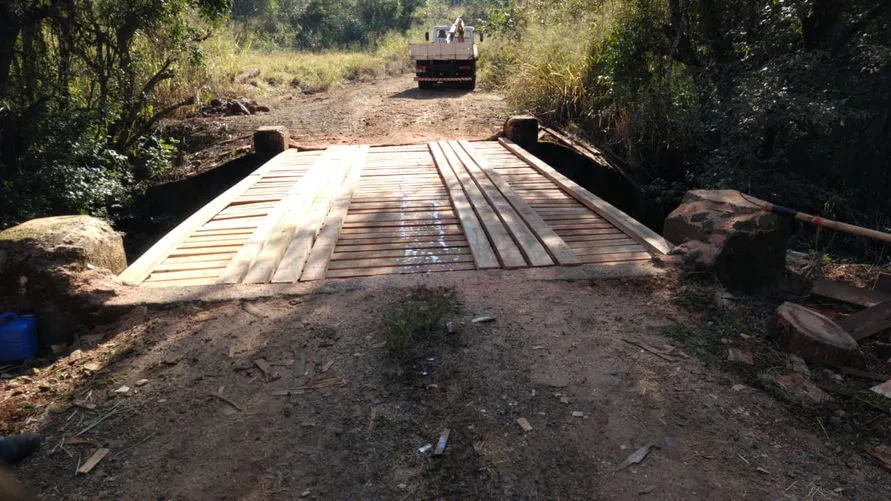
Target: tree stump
(522,130)
(271,140)
(812,336)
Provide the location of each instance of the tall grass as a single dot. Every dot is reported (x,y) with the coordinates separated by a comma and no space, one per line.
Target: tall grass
(228,67)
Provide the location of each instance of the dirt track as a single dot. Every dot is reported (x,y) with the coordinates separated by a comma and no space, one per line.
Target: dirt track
(387,111)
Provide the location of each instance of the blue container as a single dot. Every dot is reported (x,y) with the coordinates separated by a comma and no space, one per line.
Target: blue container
(18,337)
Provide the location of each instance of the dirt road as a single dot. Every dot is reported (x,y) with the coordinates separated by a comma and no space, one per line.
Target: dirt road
(556,355)
(386,111)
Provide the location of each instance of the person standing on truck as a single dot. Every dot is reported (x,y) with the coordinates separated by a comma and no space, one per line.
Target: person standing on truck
(457,29)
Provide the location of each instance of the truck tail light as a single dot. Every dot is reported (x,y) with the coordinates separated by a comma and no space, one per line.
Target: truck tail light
(464,67)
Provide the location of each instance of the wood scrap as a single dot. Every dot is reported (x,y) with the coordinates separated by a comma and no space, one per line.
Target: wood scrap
(638,456)
(324,383)
(882,455)
(228,401)
(327,366)
(94,460)
(848,294)
(868,322)
(484,319)
(268,372)
(442,442)
(883,389)
(524,424)
(849,371)
(655,351)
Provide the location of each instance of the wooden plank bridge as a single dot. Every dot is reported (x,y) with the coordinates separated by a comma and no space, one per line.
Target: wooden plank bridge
(354,211)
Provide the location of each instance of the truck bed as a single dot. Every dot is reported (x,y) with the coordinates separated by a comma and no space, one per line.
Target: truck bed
(443,51)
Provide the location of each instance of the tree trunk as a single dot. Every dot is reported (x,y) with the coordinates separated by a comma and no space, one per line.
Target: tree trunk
(10,26)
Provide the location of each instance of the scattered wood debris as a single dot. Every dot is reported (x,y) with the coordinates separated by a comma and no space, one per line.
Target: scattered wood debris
(324,383)
(663,354)
(268,372)
(638,456)
(804,390)
(868,322)
(371,419)
(883,389)
(524,424)
(849,294)
(881,454)
(484,319)
(327,366)
(740,355)
(442,442)
(94,460)
(221,398)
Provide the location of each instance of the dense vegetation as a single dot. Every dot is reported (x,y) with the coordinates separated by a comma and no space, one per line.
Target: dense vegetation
(788,99)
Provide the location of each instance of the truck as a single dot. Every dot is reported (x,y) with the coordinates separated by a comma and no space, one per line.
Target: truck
(448,58)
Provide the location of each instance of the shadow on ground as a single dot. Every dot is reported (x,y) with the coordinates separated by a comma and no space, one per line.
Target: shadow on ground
(442,92)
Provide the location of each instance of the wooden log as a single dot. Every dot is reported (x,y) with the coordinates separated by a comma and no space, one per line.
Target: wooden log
(522,130)
(271,140)
(813,336)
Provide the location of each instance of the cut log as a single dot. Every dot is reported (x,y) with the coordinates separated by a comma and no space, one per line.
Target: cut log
(270,141)
(883,283)
(868,322)
(813,336)
(522,130)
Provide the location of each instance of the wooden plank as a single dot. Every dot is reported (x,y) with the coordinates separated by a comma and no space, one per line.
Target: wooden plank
(322,250)
(290,244)
(201,265)
(401,245)
(483,255)
(399,261)
(93,460)
(342,255)
(610,249)
(507,250)
(185,275)
(182,283)
(301,196)
(142,267)
(868,322)
(624,222)
(400,270)
(616,258)
(528,242)
(849,294)
(226,256)
(555,245)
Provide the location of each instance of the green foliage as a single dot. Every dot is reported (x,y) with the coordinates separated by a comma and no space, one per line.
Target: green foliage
(414,320)
(82,82)
(748,94)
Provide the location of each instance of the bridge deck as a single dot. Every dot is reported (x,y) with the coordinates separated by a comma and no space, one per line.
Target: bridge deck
(353,211)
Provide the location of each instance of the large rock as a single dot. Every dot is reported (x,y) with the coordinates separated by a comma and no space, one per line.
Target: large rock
(722,232)
(60,268)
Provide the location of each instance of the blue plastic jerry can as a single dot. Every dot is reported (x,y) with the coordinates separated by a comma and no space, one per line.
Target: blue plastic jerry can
(18,337)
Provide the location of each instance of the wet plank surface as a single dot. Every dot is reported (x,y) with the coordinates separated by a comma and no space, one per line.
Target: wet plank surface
(354,211)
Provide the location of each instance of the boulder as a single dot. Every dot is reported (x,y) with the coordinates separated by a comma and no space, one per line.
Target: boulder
(721,232)
(61,269)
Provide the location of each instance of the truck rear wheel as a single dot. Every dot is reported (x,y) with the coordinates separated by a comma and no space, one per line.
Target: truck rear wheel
(471,85)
